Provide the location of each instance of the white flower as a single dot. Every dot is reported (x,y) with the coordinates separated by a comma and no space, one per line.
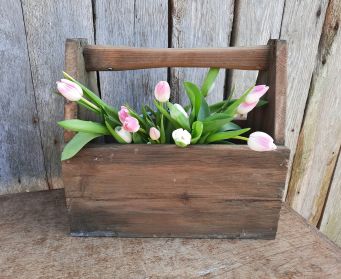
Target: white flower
(125,135)
(181,137)
(260,141)
(181,109)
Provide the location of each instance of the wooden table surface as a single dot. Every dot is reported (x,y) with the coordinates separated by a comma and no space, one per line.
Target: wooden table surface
(34,243)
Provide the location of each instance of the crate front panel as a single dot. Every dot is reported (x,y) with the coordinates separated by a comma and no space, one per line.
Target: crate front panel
(163,190)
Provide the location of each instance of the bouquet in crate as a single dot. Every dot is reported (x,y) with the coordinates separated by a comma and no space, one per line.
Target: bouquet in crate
(167,123)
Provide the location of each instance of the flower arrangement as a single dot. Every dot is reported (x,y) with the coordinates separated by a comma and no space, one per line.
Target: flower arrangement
(196,123)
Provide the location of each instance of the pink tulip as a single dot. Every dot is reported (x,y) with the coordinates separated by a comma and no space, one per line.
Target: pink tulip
(70,90)
(154,133)
(259,141)
(257,92)
(244,108)
(131,124)
(162,91)
(123,113)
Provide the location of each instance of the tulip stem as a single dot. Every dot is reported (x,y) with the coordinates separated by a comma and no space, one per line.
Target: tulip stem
(90,104)
(241,138)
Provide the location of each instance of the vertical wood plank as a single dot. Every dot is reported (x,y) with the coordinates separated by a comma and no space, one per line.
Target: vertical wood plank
(320,136)
(48,24)
(255,22)
(301,28)
(75,66)
(136,24)
(271,118)
(21,155)
(199,24)
(330,224)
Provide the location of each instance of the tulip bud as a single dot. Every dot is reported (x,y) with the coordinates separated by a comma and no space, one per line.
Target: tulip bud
(181,137)
(162,91)
(244,108)
(181,109)
(257,92)
(131,124)
(125,135)
(154,133)
(70,90)
(259,141)
(123,114)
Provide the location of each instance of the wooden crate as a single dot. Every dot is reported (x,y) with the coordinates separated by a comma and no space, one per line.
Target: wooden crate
(203,191)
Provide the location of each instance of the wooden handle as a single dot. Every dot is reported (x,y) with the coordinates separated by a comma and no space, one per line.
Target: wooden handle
(107,58)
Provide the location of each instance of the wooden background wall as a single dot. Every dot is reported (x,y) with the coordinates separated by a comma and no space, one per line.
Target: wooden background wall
(32,37)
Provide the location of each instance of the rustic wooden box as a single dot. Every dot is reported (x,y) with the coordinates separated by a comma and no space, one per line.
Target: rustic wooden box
(203,191)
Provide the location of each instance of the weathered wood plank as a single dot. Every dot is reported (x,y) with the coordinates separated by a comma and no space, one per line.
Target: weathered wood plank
(136,24)
(75,66)
(48,25)
(254,23)
(40,229)
(301,27)
(21,155)
(108,58)
(271,118)
(320,136)
(214,191)
(330,224)
(199,24)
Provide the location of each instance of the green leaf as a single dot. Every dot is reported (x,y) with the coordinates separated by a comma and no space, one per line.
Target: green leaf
(162,130)
(197,128)
(166,114)
(229,126)
(178,116)
(112,131)
(216,122)
(76,144)
(191,96)
(232,108)
(84,126)
(137,138)
(226,135)
(201,109)
(209,81)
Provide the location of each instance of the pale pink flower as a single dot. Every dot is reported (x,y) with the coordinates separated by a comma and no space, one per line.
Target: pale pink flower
(244,108)
(162,91)
(259,141)
(154,133)
(257,92)
(131,124)
(70,90)
(123,114)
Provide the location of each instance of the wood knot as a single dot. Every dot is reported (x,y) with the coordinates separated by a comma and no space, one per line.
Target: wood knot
(184,196)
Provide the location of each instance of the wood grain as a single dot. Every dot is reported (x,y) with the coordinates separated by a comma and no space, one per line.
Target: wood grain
(271,118)
(48,25)
(330,224)
(199,24)
(135,24)
(19,134)
(161,190)
(254,23)
(75,66)
(301,27)
(317,147)
(109,58)
(40,230)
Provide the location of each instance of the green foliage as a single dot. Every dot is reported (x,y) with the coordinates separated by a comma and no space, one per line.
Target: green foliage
(206,123)
(76,144)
